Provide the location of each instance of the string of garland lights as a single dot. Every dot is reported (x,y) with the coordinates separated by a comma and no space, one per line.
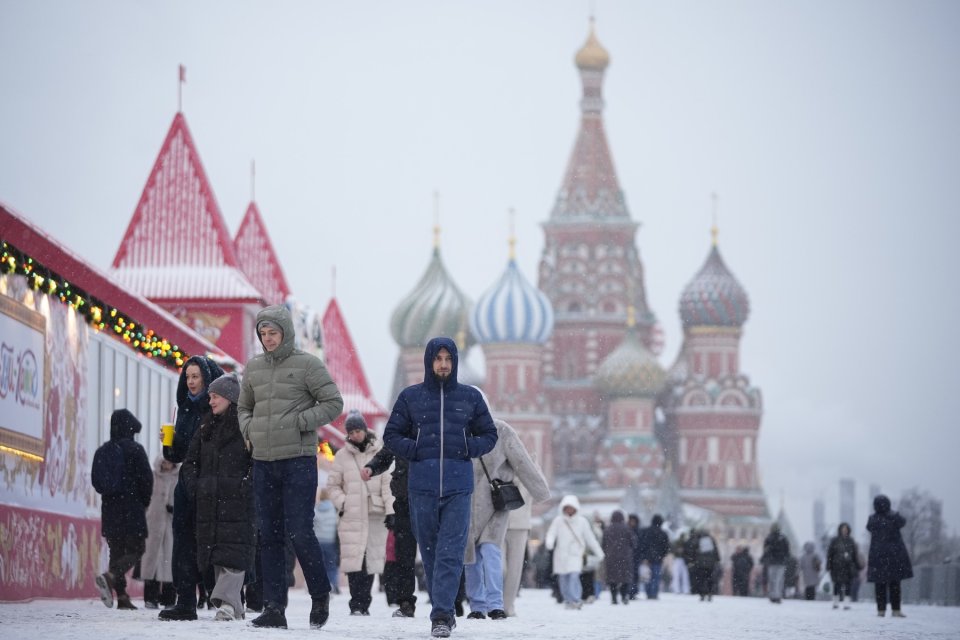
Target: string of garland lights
(100,316)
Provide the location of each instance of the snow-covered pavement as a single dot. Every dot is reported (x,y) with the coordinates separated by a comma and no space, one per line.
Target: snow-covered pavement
(673,616)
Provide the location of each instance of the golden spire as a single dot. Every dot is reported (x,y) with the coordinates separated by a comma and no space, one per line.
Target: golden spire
(713,229)
(513,235)
(631,317)
(436,220)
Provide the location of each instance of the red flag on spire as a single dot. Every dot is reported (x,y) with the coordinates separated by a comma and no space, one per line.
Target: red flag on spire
(183,73)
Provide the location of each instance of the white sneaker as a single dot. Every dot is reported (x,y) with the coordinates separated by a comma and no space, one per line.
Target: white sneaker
(225,613)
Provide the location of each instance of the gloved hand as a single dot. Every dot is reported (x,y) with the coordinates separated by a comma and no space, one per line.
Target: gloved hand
(389,522)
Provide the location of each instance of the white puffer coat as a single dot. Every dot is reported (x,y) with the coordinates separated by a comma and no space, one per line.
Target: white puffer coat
(156,563)
(362,507)
(569,537)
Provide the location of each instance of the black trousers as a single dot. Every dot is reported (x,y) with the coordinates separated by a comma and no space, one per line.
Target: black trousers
(125,554)
(161,593)
(361,585)
(843,588)
(186,575)
(399,576)
(882,589)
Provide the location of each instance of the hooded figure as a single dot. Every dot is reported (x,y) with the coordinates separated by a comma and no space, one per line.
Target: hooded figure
(888,560)
(810,570)
(570,536)
(193,405)
(842,562)
(123,520)
(439,425)
(619,547)
(285,395)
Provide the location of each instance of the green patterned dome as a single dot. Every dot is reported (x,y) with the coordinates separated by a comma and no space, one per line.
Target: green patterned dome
(435,307)
(630,370)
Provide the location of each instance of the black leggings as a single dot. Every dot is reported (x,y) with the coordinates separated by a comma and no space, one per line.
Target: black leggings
(881,589)
(841,588)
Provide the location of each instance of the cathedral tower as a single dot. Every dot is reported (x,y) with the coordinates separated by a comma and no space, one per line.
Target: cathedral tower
(590,270)
(712,412)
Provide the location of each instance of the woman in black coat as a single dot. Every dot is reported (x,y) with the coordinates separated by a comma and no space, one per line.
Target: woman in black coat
(888,562)
(217,474)
(193,405)
(619,546)
(842,563)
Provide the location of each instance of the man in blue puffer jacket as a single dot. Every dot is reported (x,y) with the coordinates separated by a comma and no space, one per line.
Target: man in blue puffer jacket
(439,426)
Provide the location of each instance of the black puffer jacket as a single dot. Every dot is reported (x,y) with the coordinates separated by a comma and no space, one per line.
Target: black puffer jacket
(439,427)
(888,560)
(842,557)
(217,476)
(124,514)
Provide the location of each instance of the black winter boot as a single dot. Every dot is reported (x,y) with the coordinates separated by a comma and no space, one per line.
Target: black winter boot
(320,611)
(178,613)
(271,618)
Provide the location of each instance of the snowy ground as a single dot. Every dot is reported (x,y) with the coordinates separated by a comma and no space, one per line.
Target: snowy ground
(539,617)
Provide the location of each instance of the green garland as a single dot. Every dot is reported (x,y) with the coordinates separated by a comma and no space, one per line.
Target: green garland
(98,314)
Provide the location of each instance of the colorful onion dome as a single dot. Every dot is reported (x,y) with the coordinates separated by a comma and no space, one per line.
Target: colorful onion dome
(714,298)
(630,370)
(435,307)
(592,55)
(512,310)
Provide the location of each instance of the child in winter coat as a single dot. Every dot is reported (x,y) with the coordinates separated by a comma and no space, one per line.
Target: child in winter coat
(218,478)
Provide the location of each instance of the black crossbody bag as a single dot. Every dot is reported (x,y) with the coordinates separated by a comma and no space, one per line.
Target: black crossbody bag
(506,495)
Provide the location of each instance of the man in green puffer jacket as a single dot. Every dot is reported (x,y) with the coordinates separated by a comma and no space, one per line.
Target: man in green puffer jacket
(286,395)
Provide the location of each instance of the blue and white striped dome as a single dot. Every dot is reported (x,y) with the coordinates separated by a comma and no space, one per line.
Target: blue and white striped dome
(512,310)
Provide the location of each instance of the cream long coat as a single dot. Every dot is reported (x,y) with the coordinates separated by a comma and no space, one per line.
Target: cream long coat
(509,460)
(157,560)
(569,537)
(363,506)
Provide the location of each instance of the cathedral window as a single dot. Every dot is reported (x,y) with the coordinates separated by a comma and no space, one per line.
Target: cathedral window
(713,449)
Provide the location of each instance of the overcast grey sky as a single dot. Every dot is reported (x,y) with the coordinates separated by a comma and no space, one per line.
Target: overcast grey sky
(830,131)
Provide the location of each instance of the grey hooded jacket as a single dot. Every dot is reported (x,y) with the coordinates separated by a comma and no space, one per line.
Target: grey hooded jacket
(286,394)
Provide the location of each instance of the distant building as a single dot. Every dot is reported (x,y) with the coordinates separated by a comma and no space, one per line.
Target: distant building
(848,502)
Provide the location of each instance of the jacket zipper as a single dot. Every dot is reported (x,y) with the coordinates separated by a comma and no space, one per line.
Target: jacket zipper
(441,440)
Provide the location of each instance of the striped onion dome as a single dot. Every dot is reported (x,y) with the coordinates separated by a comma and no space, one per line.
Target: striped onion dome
(435,307)
(512,310)
(714,298)
(630,370)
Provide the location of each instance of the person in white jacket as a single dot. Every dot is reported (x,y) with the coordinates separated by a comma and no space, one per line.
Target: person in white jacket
(363,505)
(569,537)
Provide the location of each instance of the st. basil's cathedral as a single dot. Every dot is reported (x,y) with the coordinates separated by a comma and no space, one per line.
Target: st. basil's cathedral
(572,362)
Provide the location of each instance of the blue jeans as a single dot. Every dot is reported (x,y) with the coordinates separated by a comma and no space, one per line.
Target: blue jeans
(286,491)
(484,579)
(653,587)
(570,587)
(441,525)
(331,562)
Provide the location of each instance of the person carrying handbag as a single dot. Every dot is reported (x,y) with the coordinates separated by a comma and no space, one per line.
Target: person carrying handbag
(569,537)
(509,461)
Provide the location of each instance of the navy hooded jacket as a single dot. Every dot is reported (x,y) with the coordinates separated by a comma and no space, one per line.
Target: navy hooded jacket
(439,426)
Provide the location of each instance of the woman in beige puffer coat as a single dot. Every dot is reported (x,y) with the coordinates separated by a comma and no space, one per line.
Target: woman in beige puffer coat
(363,506)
